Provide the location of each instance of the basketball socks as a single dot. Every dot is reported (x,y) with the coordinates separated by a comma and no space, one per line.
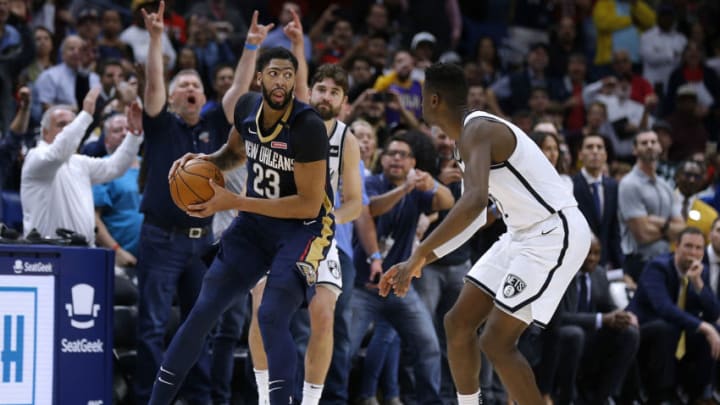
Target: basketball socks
(261,379)
(471,399)
(311,393)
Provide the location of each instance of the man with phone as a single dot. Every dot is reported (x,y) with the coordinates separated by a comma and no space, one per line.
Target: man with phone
(397,198)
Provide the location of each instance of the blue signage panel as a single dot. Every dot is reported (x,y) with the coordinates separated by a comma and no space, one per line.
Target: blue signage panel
(69,289)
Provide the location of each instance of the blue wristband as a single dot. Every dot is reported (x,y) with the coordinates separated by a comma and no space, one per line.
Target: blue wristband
(435,187)
(250,47)
(374,256)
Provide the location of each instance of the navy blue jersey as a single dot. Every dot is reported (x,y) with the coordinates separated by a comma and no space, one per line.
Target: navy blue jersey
(300,135)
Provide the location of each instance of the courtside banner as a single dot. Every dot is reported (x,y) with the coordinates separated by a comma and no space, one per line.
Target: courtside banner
(59,307)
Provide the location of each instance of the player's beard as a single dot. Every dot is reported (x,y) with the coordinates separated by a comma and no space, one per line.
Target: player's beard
(277,106)
(326,114)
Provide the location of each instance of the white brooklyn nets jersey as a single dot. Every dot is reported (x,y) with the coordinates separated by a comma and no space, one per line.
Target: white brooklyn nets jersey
(526,188)
(337,142)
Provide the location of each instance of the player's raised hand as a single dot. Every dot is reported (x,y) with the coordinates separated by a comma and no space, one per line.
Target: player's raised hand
(294,29)
(222,200)
(258,32)
(181,162)
(154,22)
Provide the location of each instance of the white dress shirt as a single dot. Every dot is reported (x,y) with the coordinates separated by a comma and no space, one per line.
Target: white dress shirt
(661,53)
(713,268)
(56,183)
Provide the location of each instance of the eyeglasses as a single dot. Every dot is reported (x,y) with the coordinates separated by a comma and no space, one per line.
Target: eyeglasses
(398,153)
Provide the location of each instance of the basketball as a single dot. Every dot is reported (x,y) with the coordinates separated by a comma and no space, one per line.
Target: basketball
(191,183)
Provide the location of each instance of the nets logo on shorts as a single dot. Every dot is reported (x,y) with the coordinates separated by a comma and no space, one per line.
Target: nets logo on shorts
(513,286)
(307,270)
(334,268)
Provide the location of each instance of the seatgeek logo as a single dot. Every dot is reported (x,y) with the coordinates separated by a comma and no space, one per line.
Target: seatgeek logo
(20,267)
(81,346)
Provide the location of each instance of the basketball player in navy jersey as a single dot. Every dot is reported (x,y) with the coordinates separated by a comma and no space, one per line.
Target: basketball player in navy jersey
(524,275)
(327,95)
(285,224)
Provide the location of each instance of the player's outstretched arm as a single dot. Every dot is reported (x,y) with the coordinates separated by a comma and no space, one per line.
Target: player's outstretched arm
(351,205)
(476,147)
(245,70)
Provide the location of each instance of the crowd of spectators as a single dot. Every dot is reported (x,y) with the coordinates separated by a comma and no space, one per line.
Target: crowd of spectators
(623,97)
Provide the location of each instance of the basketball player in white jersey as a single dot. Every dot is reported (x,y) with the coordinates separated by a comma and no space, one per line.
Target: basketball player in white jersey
(524,275)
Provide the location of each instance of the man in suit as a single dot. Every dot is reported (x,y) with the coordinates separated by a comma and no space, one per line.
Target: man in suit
(597,340)
(676,309)
(611,335)
(597,197)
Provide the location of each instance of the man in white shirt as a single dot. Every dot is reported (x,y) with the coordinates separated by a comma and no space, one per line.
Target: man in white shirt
(55,188)
(661,48)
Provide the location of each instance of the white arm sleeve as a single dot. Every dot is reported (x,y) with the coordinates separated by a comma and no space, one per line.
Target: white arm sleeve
(462,237)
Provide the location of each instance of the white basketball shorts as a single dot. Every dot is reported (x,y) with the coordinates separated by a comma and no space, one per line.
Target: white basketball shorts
(527,272)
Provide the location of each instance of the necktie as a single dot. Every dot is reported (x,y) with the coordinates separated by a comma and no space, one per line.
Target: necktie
(82,86)
(583,304)
(596,199)
(685,208)
(682,297)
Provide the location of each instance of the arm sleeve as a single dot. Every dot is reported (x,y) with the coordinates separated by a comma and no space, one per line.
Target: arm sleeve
(373,186)
(101,195)
(630,203)
(104,170)
(606,19)
(654,283)
(309,138)
(44,88)
(43,163)
(157,126)
(363,190)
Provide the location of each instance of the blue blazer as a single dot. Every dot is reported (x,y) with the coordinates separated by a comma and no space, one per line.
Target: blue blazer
(607,228)
(657,294)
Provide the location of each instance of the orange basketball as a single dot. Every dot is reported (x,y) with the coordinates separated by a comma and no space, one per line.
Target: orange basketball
(191,185)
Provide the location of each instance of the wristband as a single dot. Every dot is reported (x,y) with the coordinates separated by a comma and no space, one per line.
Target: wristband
(374,256)
(115,247)
(250,47)
(435,187)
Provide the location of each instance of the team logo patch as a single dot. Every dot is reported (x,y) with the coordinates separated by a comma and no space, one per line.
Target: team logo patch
(307,270)
(278,145)
(513,286)
(334,268)
(334,151)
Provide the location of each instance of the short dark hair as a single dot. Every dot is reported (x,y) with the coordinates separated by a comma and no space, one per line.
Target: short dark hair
(276,52)
(690,230)
(334,72)
(595,135)
(108,62)
(399,138)
(448,81)
(221,66)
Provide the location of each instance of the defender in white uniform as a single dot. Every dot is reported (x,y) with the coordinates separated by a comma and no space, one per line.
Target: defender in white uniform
(524,275)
